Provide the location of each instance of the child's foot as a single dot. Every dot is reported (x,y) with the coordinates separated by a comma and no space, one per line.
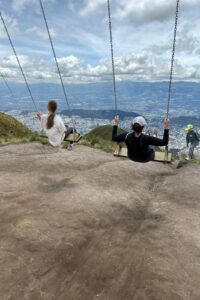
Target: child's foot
(70,147)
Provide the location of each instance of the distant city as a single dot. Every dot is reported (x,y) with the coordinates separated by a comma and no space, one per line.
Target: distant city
(92,105)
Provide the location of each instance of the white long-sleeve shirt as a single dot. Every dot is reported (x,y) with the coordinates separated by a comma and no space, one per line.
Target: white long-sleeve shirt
(55,134)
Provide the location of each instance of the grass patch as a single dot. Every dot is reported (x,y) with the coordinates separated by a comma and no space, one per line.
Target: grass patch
(24,140)
(14,132)
(183,161)
(99,143)
(100,138)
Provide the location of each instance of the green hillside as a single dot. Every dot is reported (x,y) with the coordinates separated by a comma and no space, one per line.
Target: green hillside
(12,131)
(101,138)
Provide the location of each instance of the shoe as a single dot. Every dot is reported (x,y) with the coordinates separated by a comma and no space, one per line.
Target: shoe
(70,147)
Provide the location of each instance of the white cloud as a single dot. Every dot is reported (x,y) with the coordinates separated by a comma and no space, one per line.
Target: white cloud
(41,34)
(68,64)
(144,11)
(139,12)
(20,5)
(89,40)
(188,40)
(40,75)
(187,44)
(35,70)
(143,66)
(91,6)
(25,61)
(11,62)
(12,25)
(9,73)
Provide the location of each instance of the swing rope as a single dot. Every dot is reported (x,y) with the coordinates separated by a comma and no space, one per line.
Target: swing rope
(172,58)
(18,61)
(112,56)
(57,65)
(6,84)
(172,69)
(23,74)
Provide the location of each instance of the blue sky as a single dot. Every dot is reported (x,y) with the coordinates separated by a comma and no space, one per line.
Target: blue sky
(142,32)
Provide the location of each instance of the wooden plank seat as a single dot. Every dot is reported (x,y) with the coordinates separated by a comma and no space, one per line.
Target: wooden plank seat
(160,156)
(73,137)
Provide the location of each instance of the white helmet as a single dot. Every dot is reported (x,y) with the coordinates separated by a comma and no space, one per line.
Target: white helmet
(140,120)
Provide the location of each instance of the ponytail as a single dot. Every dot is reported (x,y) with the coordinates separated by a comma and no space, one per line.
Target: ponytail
(50,120)
(52,107)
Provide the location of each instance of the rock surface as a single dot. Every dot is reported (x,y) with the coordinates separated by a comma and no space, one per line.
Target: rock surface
(85,225)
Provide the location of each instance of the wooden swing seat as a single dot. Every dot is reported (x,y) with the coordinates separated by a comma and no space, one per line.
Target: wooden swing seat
(121,151)
(73,137)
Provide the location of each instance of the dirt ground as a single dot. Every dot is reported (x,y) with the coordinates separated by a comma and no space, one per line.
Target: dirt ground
(85,225)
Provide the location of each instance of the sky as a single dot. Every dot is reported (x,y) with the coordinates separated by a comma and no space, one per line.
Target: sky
(142,35)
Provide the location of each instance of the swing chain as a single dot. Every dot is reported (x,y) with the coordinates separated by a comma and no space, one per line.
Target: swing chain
(6,84)
(173,57)
(57,65)
(172,68)
(112,56)
(18,61)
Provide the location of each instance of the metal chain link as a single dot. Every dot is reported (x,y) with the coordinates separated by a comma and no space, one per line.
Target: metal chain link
(18,61)
(112,56)
(57,65)
(6,84)
(172,69)
(172,58)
